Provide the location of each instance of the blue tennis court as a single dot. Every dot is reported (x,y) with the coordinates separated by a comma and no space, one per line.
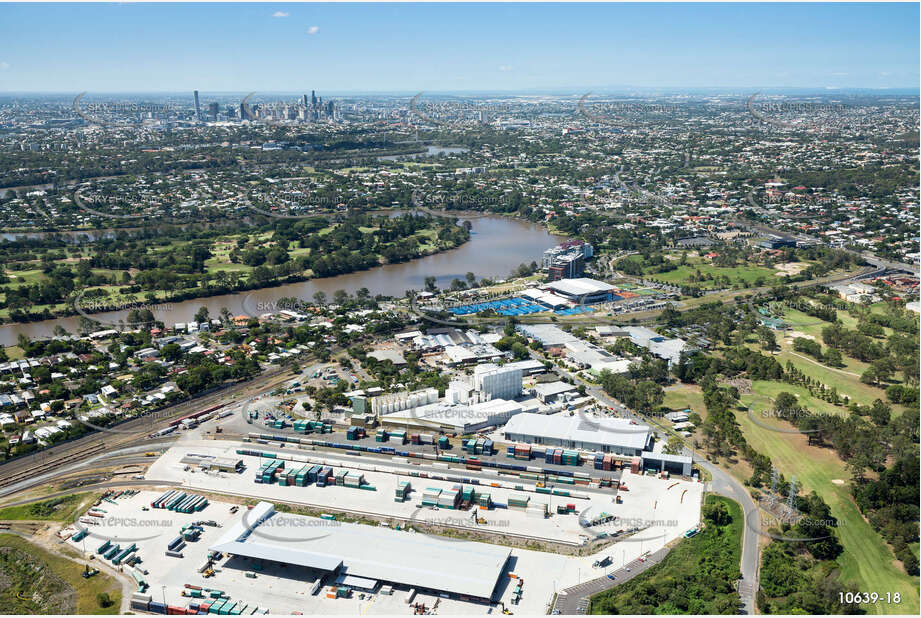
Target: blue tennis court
(507,306)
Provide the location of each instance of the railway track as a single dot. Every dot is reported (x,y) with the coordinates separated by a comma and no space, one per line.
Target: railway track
(37,469)
(131,433)
(21,527)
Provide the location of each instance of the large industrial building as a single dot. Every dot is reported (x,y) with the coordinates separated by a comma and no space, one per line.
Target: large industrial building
(603,435)
(335,550)
(497,382)
(394,402)
(450,417)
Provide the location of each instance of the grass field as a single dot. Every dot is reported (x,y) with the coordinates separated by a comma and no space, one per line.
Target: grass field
(764,392)
(56,575)
(809,325)
(846,383)
(685,396)
(747,274)
(64,508)
(867,563)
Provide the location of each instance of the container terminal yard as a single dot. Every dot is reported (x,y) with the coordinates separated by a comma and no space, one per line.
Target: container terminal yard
(261,525)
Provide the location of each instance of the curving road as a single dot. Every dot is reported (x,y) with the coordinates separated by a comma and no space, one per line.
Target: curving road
(724,485)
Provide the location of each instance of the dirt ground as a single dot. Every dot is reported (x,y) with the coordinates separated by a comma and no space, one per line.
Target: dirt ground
(790,268)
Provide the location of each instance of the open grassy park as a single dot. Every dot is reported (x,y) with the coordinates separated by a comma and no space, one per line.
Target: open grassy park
(738,275)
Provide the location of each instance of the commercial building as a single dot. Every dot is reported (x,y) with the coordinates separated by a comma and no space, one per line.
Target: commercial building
(589,356)
(604,435)
(566,267)
(547,335)
(663,462)
(209,462)
(528,367)
(333,549)
(856,292)
(571,247)
(455,355)
(663,347)
(777,242)
(550,392)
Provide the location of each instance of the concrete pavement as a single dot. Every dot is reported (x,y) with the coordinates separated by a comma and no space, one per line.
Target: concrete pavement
(574,600)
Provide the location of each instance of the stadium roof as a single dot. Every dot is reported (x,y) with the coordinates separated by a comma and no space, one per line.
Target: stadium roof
(413,559)
(579,287)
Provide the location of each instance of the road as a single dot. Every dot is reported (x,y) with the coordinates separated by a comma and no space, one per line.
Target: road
(724,485)
(91,462)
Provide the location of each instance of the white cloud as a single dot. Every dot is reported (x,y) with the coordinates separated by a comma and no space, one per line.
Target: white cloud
(4,66)
(313,29)
(505,68)
(280,14)
(839,74)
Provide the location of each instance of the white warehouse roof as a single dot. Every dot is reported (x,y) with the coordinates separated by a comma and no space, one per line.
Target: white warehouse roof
(459,567)
(605,431)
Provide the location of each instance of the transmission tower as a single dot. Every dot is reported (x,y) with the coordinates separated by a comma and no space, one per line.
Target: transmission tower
(775,479)
(791,496)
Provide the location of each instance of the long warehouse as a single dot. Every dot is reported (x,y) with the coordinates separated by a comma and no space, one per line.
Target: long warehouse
(605,435)
(462,568)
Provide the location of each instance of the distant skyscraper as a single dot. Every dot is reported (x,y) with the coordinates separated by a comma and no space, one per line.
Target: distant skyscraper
(306,102)
(212,111)
(329,109)
(313,98)
(197,108)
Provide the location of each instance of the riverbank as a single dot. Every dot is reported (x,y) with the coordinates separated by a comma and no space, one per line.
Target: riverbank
(497,245)
(87,306)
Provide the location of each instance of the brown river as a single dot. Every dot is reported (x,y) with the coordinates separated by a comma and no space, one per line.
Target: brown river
(496,246)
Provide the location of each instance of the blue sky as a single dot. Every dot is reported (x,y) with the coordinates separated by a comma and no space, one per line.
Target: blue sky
(455,47)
